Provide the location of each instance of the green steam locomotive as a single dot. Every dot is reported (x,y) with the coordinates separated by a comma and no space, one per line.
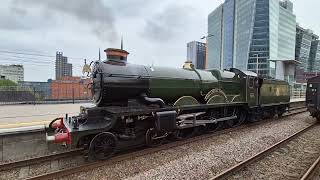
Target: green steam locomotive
(138,104)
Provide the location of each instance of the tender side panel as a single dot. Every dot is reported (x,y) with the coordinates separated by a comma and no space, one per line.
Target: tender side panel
(273,92)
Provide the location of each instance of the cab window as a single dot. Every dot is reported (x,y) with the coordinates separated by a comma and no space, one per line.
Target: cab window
(251,82)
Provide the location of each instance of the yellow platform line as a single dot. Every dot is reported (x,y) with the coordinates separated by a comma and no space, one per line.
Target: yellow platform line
(23,124)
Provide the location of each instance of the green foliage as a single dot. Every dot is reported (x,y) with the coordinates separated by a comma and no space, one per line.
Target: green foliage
(38,96)
(7,82)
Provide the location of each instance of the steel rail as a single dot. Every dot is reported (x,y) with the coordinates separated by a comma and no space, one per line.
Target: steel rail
(93,165)
(227,173)
(37,160)
(311,171)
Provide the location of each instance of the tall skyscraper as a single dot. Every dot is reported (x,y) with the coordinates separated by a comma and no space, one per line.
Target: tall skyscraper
(63,68)
(314,60)
(196,52)
(304,38)
(252,35)
(214,38)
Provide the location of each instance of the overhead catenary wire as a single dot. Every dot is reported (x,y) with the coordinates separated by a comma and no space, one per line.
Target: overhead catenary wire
(35,54)
(77,69)
(40,59)
(27,63)
(12,59)
(27,57)
(35,59)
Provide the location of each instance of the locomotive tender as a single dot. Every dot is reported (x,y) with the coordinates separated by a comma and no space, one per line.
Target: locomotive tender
(138,104)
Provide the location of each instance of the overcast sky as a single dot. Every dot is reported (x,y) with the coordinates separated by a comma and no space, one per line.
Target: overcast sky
(155,32)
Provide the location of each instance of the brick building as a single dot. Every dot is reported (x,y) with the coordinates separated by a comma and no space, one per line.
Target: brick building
(70,88)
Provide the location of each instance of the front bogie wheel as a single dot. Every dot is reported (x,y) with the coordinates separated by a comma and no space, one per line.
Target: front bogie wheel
(102,146)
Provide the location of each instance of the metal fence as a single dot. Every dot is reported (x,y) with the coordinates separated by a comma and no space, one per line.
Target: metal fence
(297,93)
(32,95)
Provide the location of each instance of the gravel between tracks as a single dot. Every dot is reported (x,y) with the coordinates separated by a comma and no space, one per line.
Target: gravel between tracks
(290,161)
(202,159)
(317,175)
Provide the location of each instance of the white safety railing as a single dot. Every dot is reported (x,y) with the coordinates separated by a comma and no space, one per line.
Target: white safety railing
(296,94)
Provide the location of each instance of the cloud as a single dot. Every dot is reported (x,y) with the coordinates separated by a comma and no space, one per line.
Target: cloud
(154,31)
(94,14)
(132,8)
(167,24)
(10,19)
(11,23)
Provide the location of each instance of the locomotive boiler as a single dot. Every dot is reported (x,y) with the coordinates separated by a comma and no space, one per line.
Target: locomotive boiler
(143,105)
(115,82)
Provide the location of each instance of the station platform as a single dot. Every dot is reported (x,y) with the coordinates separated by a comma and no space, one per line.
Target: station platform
(13,116)
(298,100)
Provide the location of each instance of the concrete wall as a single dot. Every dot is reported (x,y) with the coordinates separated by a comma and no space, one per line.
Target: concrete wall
(280,70)
(21,146)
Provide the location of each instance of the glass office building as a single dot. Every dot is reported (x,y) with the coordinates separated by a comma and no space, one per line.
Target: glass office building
(243,30)
(196,53)
(228,24)
(314,59)
(303,46)
(307,53)
(215,39)
(263,36)
(256,35)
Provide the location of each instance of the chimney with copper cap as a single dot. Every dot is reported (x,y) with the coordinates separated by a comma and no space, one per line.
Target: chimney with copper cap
(116,56)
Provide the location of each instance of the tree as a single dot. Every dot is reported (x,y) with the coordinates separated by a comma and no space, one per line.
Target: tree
(6,84)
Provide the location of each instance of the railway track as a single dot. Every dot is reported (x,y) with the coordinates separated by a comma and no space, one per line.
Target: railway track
(19,166)
(87,166)
(258,166)
(32,161)
(312,171)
